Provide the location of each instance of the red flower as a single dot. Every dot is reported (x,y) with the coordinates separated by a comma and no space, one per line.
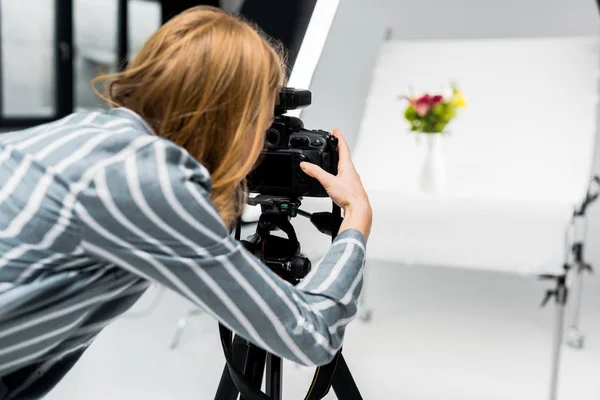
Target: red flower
(425,99)
(436,99)
(423,104)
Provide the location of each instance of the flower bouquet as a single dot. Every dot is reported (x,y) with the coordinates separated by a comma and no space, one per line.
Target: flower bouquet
(431,113)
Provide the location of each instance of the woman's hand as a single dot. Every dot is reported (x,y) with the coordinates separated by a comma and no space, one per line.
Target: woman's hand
(345,189)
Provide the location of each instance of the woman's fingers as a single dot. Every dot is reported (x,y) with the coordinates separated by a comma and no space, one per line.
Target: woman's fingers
(318,173)
(343,148)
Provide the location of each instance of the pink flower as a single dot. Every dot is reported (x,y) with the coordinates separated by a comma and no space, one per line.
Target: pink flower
(422,109)
(423,104)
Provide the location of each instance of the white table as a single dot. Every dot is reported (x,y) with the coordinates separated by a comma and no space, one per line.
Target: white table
(517,161)
(472,233)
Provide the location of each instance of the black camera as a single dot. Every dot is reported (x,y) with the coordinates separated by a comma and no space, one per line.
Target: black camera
(287,144)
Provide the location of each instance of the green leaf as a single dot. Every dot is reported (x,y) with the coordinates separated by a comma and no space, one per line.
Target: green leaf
(443,113)
(410,114)
(440,126)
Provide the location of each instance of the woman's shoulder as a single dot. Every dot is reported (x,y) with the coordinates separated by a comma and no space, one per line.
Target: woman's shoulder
(80,146)
(163,158)
(132,150)
(150,172)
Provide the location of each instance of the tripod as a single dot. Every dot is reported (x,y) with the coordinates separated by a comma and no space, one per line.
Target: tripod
(246,363)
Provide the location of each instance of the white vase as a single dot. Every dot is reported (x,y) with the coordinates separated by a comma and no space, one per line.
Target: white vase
(433,173)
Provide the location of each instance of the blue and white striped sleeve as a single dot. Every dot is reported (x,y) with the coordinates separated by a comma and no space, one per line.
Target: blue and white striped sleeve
(151,214)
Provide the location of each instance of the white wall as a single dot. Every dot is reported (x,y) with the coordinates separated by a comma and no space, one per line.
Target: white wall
(466,19)
(343,76)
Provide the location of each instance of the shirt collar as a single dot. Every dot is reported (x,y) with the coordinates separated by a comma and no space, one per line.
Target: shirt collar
(132,116)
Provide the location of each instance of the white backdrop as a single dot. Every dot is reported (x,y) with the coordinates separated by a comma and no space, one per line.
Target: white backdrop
(517,159)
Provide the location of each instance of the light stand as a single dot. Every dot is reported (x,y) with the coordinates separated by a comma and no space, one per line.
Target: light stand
(560,293)
(577,265)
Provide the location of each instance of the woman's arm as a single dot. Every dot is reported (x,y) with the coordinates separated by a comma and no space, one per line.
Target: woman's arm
(152,215)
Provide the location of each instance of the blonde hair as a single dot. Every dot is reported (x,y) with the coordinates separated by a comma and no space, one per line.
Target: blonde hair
(207,81)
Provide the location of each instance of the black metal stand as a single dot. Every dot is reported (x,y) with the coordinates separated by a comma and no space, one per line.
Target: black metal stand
(246,363)
(122,34)
(254,361)
(577,265)
(574,264)
(574,336)
(560,297)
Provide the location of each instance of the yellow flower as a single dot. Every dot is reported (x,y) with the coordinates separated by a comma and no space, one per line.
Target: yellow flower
(458,100)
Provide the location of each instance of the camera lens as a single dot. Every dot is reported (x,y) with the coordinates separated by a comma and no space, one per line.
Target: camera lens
(273,138)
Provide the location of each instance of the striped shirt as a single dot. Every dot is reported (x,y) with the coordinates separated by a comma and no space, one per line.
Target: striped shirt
(95,206)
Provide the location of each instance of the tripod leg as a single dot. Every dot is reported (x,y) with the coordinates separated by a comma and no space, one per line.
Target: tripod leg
(273,384)
(181,324)
(561,299)
(227,389)
(255,365)
(343,383)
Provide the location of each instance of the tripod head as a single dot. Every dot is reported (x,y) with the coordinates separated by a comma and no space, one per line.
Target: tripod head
(283,255)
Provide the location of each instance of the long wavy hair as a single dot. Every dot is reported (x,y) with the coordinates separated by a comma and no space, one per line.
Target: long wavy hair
(207,81)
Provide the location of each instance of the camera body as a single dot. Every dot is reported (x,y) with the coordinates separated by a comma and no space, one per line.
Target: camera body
(288,144)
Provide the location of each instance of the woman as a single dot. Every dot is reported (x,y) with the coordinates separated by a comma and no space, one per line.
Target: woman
(95,206)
